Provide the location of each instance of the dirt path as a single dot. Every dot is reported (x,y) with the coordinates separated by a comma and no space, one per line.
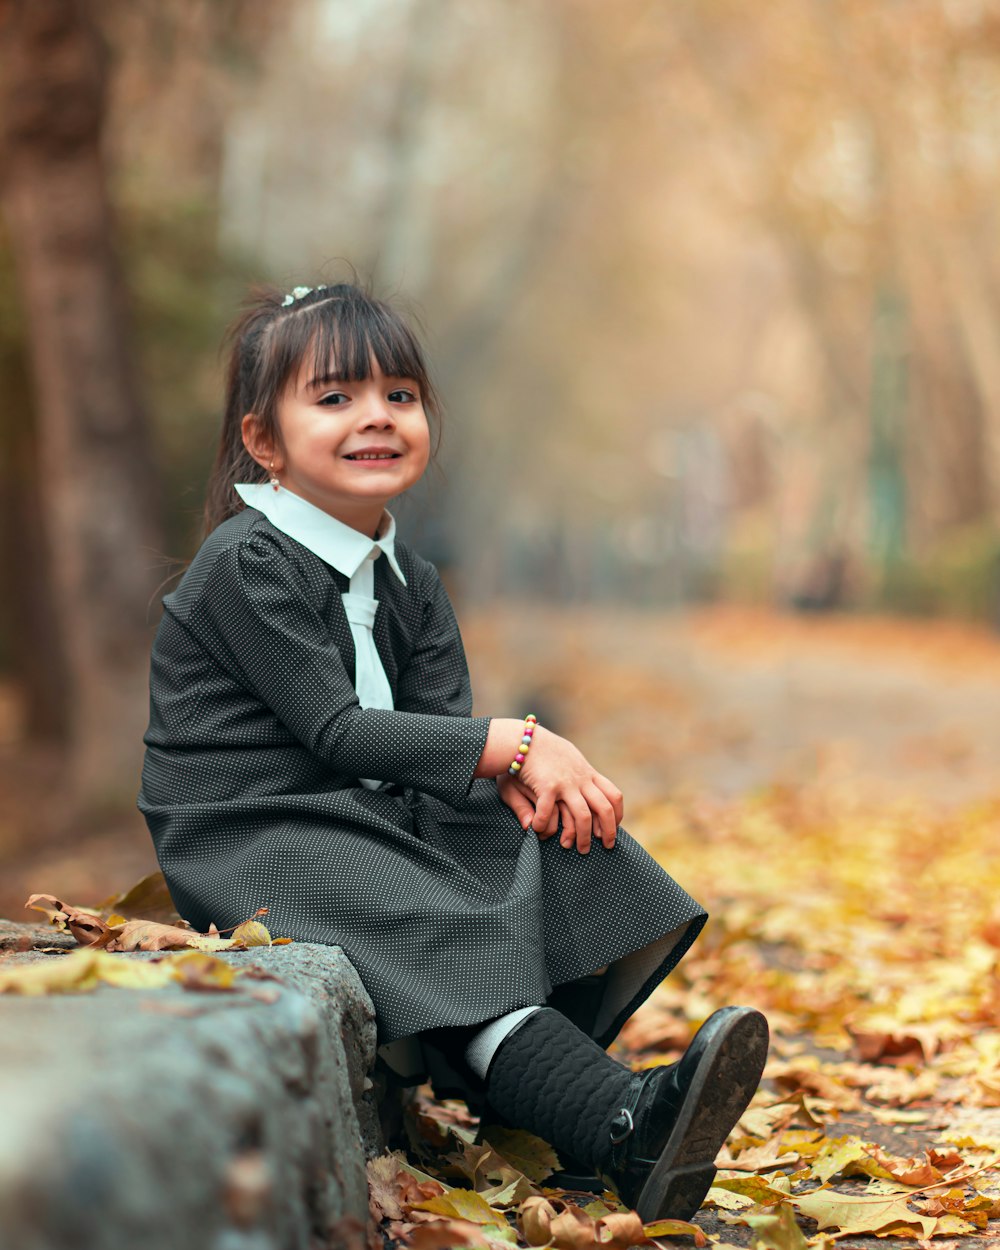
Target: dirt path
(727,700)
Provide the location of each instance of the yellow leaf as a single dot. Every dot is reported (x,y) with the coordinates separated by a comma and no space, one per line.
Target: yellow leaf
(62,974)
(841,1152)
(777,1231)
(676,1228)
(727,1200)
(78,972)
(530,1155)
(197,970)
(251,933)
(753,1187)
(462,1204)
(859,1214)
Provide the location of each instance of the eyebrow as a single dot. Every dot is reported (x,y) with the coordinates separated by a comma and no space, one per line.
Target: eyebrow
(326,378)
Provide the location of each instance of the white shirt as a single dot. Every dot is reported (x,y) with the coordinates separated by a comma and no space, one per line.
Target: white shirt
(351,553)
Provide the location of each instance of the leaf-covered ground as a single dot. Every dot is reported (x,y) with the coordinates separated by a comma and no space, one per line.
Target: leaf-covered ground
(850,859)
(829,789)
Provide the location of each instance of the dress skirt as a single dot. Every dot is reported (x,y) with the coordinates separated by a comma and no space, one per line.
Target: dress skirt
(451,917)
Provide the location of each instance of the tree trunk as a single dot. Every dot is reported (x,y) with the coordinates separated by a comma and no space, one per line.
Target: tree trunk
(99,500)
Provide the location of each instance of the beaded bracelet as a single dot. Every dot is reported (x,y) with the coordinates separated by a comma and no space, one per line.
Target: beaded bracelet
(530,721)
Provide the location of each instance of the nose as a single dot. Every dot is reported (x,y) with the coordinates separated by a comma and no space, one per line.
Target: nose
(376,413)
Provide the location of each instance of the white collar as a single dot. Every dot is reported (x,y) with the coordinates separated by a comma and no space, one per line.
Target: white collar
(333,541)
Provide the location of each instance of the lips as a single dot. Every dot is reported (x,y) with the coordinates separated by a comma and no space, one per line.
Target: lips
(374,453)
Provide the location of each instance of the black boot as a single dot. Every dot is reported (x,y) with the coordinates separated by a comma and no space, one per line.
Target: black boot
(653,1135)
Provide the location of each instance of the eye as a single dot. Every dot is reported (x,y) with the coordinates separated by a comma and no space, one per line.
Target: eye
(334,398)
(403,396)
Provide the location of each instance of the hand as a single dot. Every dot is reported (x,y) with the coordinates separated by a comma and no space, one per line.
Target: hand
(563,785)
(518,798)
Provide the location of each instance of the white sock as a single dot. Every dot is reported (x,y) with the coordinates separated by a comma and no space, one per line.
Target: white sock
(484,1044)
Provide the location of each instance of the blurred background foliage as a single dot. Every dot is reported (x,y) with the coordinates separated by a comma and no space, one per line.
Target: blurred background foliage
(711,290)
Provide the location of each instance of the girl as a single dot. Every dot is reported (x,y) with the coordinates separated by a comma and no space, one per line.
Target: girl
(311,749)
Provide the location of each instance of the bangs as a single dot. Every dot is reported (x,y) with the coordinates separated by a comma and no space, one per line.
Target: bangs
(339,335)
(346,344)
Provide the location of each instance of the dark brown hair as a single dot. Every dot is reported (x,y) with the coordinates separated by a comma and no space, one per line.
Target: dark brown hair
(267,343)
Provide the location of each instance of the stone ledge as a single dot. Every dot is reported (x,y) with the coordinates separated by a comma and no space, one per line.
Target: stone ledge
(176,1120)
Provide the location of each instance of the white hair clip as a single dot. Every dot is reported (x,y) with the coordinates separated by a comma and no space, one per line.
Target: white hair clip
(300,292)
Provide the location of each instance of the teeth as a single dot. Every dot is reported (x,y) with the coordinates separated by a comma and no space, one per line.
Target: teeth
(382,455)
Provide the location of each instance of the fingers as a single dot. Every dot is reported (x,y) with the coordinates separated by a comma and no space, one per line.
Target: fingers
(613,795)
(605,823)
(568,835)
(578,821)
(520,805)
(545,820)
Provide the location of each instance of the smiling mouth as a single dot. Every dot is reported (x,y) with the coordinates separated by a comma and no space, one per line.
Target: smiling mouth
(381,455)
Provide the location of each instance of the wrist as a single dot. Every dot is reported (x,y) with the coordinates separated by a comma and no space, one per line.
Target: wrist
(524,746)
(501,746)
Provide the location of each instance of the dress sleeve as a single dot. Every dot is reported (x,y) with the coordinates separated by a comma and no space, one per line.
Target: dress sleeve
(436,677)
(255,616)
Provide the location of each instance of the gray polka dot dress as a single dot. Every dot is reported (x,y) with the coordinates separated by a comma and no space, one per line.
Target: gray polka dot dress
(451,912)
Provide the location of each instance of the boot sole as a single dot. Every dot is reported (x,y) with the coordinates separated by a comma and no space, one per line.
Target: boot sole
(721,1087)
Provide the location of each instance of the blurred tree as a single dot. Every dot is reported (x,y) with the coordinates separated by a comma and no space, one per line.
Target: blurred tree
(97,483)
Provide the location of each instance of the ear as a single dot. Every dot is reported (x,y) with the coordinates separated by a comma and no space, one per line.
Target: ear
(257,442)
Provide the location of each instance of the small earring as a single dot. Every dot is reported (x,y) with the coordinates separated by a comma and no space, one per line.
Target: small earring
(274,477)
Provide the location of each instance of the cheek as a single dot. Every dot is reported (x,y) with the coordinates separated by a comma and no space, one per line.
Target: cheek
(423,439)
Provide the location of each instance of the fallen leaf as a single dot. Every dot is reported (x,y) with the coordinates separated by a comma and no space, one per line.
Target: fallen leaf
(252,933)
(676,1228)
(446,1235)
(87,927)
(462,1204)
(391,1187)
(755,1188)
(530,1155)
(776,1231)
(842,1153)
(765,1158)
(150,935)
(197,970)
(535,1220)
(850,1214)
(885,1040)
(149,897)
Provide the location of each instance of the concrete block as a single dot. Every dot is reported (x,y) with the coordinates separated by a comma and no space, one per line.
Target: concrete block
(175,1120)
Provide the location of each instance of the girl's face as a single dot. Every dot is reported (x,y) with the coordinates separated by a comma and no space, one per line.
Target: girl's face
(347,447)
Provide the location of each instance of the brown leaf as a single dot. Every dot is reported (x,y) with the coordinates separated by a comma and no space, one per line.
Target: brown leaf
(394,1187)
(150,935)
(446,1235)
(534,1219)
(887,1041)
(384,1198)
(819,1084)
(149,898)
(88,928)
